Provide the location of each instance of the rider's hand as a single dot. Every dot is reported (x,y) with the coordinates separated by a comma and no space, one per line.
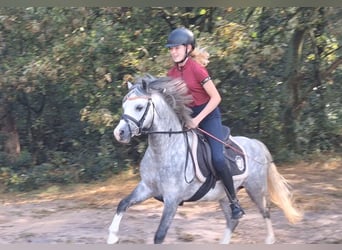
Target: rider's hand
(193,123)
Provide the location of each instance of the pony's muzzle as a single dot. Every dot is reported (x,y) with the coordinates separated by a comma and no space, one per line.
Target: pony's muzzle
(122,132)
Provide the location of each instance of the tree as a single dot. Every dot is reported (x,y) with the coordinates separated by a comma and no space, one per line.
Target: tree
(308,69)
(63,71)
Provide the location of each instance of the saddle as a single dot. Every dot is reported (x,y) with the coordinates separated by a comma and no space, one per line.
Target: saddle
(204,169)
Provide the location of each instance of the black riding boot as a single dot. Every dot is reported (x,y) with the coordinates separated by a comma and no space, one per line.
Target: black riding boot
(227,179)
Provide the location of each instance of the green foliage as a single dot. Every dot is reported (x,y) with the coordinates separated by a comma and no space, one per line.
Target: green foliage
(62,72)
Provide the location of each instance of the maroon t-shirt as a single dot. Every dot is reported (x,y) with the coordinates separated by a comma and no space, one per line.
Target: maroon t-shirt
(194,75)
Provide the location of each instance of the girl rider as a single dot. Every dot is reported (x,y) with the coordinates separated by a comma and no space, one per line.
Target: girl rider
(189,64)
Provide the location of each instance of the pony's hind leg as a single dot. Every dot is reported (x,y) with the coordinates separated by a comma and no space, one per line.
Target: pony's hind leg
(265,211)
(230,223)
(262,203)
(140,193)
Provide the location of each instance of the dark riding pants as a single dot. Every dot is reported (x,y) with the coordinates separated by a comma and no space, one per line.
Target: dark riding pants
(213,125)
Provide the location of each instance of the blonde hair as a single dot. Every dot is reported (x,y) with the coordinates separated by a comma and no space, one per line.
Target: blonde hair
(201,56)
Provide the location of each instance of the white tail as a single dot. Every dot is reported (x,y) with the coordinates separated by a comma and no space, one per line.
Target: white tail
(279,191)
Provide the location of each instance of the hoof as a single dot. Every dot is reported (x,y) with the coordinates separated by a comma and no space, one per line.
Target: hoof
(270,240)
(112,239)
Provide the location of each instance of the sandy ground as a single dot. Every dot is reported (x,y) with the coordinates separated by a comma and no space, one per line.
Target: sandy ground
(82,214)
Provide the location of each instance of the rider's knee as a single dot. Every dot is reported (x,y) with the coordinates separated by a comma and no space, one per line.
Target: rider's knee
(219,163)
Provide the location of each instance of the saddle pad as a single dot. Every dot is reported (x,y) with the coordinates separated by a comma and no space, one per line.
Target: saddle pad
(204,169)
(236,157)
(234,153)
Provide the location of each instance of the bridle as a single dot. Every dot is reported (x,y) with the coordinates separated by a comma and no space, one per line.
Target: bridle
(139,124)
(140,130)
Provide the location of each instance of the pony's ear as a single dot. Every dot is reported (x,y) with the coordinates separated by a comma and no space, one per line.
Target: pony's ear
(144,84)
(129,84)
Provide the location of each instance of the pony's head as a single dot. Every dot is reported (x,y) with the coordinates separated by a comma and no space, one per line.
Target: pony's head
(139,104)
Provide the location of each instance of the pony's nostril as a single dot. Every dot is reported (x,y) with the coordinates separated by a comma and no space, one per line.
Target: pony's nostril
(118,133)
(121,132)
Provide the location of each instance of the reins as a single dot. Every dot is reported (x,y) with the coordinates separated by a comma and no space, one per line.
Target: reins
(139,124)
(166,132)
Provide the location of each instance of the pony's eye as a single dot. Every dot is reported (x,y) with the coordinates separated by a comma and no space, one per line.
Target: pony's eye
(139,108)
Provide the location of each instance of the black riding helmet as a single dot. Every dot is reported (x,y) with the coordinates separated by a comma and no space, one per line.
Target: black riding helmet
(181,36)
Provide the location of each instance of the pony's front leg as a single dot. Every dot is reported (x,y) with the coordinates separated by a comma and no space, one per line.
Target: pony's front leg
(114,229)
(140,194)
(169,212)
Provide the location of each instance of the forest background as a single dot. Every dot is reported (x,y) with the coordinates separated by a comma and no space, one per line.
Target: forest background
(63,72)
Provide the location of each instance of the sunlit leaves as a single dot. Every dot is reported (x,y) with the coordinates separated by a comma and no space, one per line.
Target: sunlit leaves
(78,58)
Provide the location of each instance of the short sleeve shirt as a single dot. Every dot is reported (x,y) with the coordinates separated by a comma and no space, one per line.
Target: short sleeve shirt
(194,75)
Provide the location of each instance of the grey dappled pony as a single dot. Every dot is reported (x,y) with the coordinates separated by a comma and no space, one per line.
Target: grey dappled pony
(159,107)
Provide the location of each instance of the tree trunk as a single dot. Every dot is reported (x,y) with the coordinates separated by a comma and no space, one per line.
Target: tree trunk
(8,132)
(293,83)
